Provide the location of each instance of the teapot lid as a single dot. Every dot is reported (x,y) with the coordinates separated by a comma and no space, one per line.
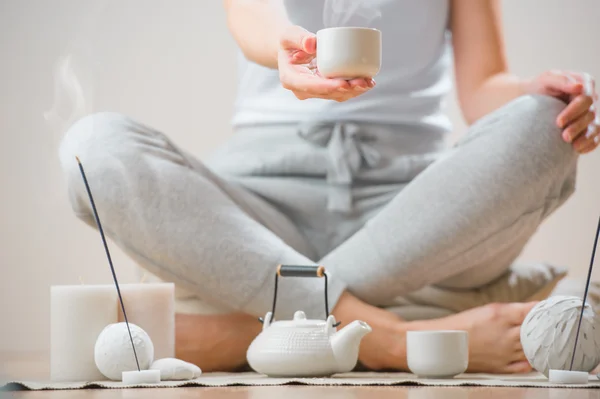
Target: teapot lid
(300,320)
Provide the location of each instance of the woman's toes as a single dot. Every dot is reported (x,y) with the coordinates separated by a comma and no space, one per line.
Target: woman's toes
(517,367)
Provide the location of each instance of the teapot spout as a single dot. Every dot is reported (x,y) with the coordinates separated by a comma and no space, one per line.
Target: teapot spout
(345,344)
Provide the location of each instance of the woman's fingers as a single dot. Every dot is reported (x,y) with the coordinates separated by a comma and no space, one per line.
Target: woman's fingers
(298,44)
(312,86)
(587,144)
(589,83)
(589,148)
(584,129)
(306,85)
(332,96)
(576,108)
(299,74)
(305,88)
(578,128)
(339,96)
(555,82)
(298,38)
(588,136)
(300,57)
(299,78)
(361,84)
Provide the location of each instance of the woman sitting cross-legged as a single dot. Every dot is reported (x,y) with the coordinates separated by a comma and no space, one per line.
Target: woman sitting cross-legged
(351,175)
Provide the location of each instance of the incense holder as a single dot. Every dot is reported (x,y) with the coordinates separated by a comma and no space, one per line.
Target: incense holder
(114,354)
(141,377)
(568,377)
(548,335)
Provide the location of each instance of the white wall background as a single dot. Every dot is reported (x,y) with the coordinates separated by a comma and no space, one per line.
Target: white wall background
(171,65)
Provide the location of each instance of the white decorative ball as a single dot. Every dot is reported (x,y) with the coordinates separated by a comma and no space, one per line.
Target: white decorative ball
(548,335)
(113,352)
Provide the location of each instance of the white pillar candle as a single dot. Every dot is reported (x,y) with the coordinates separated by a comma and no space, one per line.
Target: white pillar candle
(152,307)
(78,314)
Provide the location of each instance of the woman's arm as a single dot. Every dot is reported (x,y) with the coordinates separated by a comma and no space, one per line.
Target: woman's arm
(256,26)
(265,35)
(484,83)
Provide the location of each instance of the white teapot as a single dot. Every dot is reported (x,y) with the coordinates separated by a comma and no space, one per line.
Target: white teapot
(302,347)
(305,348)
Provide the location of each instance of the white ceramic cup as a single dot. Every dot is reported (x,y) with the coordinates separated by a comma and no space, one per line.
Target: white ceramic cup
(348,52)
(437,354)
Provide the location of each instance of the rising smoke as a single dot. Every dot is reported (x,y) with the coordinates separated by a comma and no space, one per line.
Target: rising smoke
(70,102)
(74,72)
(360,13)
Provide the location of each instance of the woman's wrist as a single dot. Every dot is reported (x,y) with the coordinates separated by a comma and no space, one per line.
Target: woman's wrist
(525,86)
(257,28)
(281,27)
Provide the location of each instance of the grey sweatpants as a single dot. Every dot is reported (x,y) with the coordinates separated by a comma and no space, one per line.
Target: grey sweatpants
(386,209)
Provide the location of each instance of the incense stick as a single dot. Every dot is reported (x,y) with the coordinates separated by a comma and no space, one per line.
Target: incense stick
(587,286)
(112,269)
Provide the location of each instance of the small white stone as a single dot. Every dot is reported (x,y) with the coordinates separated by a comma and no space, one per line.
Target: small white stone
(140,377)
(174,369)
(113,353)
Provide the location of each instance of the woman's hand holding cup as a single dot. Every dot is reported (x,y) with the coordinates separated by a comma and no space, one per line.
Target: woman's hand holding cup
(299,74)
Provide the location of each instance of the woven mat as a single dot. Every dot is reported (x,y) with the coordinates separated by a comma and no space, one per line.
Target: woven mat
(533,380)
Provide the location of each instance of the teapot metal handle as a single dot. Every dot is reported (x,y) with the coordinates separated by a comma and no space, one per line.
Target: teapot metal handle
(299,271)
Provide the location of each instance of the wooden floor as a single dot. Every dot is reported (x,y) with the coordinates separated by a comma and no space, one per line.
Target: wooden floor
(35,367)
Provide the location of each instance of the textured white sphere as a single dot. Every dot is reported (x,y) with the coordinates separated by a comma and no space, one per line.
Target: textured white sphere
(548,335)
(113,353)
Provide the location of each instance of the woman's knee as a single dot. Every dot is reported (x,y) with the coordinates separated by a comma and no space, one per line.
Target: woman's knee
(531,124)
(541,142)
(541,147)
(96,140)
(526,134)
(92,137)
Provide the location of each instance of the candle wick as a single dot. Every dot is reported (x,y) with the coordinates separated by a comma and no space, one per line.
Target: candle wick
(112,269)
(587,286)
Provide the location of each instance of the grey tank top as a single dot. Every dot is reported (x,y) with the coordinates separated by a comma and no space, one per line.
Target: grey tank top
(414,79)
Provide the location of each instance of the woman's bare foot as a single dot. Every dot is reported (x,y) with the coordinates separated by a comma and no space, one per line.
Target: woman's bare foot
(220,342)
(494,335)
(385,347)
(215,342)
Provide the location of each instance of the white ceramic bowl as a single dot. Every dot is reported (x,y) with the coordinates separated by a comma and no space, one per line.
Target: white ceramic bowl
(437,354)
(349,52)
